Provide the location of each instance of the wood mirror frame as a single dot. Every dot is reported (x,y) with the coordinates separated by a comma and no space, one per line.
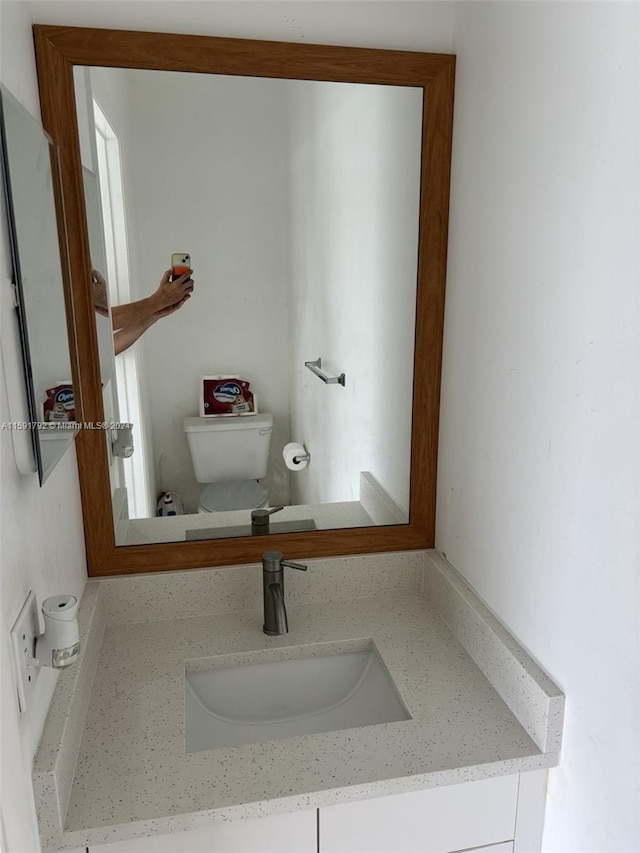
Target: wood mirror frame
(58,49)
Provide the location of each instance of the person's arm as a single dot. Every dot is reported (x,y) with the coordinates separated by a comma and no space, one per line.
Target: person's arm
(124,338)
(169,294)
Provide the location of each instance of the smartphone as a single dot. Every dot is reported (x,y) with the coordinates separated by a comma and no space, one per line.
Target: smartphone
(180,264)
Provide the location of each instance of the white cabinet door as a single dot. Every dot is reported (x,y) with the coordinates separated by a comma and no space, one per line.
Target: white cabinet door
(288,833)
(439,820)
(532,798)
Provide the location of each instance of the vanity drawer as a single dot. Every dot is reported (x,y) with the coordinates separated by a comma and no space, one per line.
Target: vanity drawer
(286,833)
(438,820)
(505,847)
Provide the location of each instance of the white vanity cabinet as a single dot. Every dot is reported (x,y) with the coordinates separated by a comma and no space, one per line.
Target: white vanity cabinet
(499,815)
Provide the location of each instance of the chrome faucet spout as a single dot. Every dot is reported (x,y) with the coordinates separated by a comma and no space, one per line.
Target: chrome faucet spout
(279,609)
(275,612)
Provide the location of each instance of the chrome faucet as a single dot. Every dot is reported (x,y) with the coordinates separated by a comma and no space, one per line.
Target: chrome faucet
(275,612)
(260,519)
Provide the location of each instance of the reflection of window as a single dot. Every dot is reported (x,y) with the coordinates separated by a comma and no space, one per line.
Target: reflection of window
(117,274)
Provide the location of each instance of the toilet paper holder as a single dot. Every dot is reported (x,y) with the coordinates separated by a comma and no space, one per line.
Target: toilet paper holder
(296,456)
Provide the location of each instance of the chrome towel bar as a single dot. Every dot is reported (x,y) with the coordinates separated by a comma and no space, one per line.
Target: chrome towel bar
(316,367)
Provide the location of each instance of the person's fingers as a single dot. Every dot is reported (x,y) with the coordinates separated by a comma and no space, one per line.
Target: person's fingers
(183,279)
(97,278)
(166,276)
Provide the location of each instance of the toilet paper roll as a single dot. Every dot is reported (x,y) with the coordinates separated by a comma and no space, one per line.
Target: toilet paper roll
(291,455)
(59,645)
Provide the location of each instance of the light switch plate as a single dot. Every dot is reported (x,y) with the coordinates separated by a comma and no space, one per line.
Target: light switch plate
(23,641)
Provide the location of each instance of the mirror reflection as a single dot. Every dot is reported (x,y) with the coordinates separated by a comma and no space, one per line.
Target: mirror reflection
(295,205)
(29,168)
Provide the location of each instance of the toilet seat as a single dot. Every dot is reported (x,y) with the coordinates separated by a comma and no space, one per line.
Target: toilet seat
(231,495)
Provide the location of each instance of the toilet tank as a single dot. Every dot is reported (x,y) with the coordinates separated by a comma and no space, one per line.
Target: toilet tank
(229,448)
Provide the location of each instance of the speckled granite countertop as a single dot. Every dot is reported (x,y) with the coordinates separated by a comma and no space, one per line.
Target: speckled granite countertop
(133,776)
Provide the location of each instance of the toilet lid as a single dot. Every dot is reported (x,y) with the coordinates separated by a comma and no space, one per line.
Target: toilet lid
(236,494)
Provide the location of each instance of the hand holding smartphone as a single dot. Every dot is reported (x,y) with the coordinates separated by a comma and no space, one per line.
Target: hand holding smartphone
(180,264)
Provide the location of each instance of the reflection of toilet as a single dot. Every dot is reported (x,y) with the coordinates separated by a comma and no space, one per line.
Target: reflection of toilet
(230,454)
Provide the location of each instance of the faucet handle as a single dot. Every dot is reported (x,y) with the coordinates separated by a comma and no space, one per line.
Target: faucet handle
(272,562)
(291,565)
(260,517)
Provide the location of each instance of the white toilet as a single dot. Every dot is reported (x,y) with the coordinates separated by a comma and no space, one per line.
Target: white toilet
(230,455)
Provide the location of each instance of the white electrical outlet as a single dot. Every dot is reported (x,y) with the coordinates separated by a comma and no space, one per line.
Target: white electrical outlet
(23,640)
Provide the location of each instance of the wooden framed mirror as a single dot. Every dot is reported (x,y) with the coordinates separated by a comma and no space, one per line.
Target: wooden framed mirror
(61,49)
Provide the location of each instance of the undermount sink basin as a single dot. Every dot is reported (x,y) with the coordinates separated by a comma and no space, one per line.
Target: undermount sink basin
(256,702)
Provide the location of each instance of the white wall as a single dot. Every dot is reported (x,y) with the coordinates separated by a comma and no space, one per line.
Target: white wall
(355,164)
(42,544)
(538,473)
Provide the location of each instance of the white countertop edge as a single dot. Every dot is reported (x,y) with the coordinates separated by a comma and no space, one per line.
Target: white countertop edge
(66,715)
(523,685)
(55,762)
(299,802)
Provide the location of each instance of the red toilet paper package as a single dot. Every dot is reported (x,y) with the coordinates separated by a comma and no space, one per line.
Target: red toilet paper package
(226,396)
(60,404)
